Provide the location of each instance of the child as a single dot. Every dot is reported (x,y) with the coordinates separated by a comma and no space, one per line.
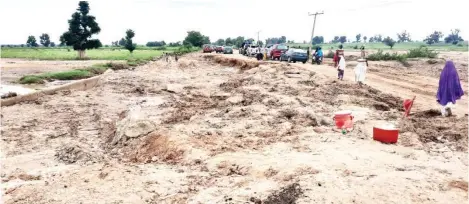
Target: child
(341,67)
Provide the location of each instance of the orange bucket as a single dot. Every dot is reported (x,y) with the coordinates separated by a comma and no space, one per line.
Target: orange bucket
(343,119)
(385,135)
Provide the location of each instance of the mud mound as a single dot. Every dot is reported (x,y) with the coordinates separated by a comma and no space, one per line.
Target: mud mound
(232,62)
(431,127)
(427,113)
(157,148)
(71,154)
(370,97)
(288,194)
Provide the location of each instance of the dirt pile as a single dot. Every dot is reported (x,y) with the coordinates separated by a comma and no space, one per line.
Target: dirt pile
(363,95)
(232,62)
(431,128)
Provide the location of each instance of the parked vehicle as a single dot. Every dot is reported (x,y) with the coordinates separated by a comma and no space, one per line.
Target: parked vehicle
(243,49)
(277,51)
(252,50)
(294,55)
(207,48)
(228,50)
(219,49)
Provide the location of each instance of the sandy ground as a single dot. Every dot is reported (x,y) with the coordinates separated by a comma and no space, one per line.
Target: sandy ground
(221,130)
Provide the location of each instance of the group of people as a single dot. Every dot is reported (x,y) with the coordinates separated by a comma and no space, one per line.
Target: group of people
(449,87)
(167,55)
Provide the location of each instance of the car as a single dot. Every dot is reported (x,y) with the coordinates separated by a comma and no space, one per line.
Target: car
(294,55)
(252,50)
(207,48)
(228,50)
(219,49)
(277,50)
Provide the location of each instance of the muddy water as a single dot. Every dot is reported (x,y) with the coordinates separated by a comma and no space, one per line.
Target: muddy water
(21,89)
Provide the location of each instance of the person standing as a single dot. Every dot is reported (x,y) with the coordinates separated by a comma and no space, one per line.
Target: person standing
(449,88)
(176,57)
(341,67)
(362,52)
(360,71)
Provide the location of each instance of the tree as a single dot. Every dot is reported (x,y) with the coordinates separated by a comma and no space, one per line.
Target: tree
(282,39)
(433,38)
(156,44)
(358,37)
(31,42)
(228,42)
(81,27)
(389,42)
(336,39)
(129,45)
(404,36)
(343,39)
(318,40)
(220,42)
(175,44)
(261,43)
(238,41)
(44,39)
(122,42)
(52,44)
(364,39)
(376,38)
(454,37)
(195,38)
(372,39)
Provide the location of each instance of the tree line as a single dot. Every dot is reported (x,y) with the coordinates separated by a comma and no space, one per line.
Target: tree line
(82,28)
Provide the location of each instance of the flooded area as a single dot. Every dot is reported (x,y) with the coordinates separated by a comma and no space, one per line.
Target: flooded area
(13,69)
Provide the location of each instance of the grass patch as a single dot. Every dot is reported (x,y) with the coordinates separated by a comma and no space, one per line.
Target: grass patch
(70,54)
(66,75)
(75,74)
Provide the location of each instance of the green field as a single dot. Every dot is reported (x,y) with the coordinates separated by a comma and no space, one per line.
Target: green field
(66,54)
(382,46)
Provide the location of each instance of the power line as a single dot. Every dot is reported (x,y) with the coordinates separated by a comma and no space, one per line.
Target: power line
(312,32)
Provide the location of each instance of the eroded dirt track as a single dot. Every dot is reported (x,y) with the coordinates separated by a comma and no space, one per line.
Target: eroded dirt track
(214,130)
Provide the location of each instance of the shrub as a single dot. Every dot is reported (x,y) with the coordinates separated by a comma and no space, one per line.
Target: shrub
(421,52)
(379,56)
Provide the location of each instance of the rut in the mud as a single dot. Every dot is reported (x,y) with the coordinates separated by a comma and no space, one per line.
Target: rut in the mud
(431,127)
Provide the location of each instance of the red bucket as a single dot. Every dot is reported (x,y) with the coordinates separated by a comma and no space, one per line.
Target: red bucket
(385,135)
(343,119)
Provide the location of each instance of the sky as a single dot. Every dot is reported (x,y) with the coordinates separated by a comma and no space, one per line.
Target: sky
(169,20)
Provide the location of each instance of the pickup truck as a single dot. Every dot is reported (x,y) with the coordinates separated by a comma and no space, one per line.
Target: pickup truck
(252,50)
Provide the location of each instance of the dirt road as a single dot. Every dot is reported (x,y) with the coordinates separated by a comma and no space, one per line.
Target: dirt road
(210,129)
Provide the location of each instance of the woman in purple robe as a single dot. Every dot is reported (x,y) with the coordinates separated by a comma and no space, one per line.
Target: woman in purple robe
(449,89)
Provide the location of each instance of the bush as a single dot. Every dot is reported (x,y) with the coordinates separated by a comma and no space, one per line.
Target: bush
(421,52)
(379,56)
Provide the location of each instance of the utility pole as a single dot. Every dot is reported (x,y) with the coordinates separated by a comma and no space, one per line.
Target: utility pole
(312,32)
(258,38)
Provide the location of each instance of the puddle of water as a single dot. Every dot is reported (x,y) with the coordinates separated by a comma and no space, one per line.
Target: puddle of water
(18,89)
(25,89)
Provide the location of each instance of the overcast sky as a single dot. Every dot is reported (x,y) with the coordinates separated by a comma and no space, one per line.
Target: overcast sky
(169,20)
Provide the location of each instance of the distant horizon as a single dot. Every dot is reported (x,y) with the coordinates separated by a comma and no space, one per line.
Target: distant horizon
(169,20)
